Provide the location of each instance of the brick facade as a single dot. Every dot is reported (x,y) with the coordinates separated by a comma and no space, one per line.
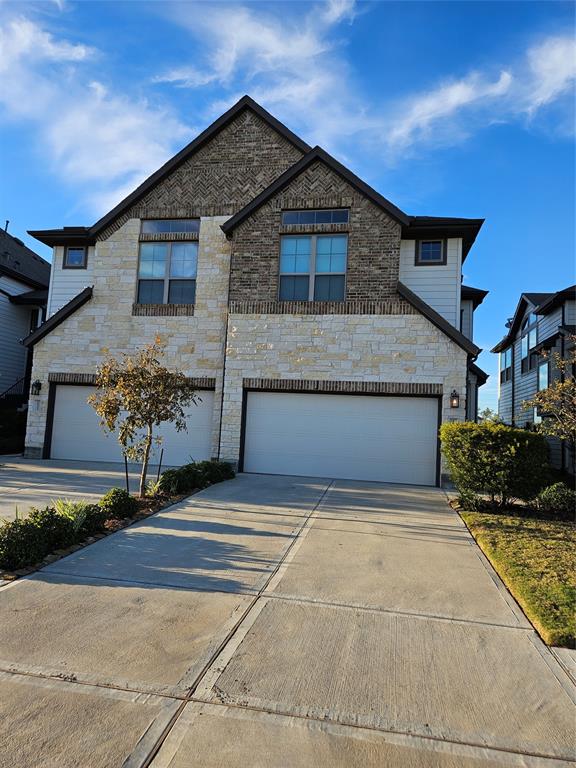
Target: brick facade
(373,240)
(223,176)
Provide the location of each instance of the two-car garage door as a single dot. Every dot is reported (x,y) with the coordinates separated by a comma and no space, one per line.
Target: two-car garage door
(381,438)
(76,432)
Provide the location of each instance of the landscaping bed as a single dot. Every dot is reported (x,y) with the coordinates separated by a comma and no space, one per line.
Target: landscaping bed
(536,558)
(45,535)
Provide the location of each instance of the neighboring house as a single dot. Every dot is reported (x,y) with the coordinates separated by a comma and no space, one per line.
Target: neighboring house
(541,322)
(24,279)
(327,331)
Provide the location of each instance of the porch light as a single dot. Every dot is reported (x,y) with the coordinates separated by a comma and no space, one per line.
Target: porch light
(36,387)
(454,399)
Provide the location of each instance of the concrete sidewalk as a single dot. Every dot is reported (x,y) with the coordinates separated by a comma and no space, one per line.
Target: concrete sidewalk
(279,622)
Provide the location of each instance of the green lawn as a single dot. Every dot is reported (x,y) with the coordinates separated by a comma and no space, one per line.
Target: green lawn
(536,559)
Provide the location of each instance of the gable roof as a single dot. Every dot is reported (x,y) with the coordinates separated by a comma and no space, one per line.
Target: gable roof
(556,299)
(436,319)
(58,317)
(21,263)
(315,154)
(87,235)
(526,300)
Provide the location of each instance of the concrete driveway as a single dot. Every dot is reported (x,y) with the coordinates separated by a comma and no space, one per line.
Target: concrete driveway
(279,623)
(26,483)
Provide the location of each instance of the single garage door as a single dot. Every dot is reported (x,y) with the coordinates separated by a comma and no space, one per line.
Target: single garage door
(76,431)
(356,437)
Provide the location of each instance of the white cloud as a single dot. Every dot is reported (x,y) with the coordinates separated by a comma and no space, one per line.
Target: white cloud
(295,65)
(552,71)
(101,142)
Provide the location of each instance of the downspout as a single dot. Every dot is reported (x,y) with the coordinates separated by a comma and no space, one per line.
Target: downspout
(225,355)
(562,353)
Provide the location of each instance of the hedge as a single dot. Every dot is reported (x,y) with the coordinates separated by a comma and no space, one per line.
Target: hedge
(502,462)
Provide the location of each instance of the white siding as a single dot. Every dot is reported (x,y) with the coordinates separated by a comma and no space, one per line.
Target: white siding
(14,325)
(438,286)
(467,315)
(67,283)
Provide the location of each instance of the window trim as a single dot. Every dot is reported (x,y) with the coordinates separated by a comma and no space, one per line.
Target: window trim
(68,248)
(166,279)
(528,360)
(312,274)
(417,249)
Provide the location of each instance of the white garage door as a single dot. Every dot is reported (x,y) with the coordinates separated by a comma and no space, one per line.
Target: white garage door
(76,431)
(385,439)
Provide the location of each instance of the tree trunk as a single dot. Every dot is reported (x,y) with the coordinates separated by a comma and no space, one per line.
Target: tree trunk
(145,460)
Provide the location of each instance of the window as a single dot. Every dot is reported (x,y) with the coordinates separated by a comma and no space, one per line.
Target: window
(167,273)
(163,226)
(529,342)
(430,252)
(74,258)
(543,376)
(506,365)
(334,216)
(313,267)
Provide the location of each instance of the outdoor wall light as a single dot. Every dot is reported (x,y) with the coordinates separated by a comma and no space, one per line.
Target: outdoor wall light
(36,387)
(454,399)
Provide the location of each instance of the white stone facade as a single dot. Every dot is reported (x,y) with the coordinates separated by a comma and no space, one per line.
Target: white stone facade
(389,348)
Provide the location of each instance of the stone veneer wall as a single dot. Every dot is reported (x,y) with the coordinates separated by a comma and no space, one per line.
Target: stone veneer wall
(359,348)
(373,240)
(221,177)
(106,325)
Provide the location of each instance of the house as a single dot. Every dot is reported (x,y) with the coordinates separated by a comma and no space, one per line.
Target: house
(541,322)
(327,331)
(24,279)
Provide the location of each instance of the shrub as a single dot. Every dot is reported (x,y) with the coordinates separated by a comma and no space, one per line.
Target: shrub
(191,477)
(86,518)
(494,459)
(117,504)
(26,541)
(557,499)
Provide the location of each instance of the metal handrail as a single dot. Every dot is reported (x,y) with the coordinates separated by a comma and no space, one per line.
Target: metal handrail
(16,389)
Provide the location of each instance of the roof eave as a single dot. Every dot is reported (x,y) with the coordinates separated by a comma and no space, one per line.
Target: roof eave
(15,275)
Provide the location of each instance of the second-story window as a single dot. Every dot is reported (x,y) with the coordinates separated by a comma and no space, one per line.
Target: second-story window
(170,226)
(431,252)
(313,267)
(528,342)
(326,216)
(167,273)
(506,365)
(74,258)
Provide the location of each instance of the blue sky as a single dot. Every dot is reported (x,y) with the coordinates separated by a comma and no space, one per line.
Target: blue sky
(447,108)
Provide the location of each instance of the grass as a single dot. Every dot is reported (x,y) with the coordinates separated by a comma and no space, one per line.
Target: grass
(536,559)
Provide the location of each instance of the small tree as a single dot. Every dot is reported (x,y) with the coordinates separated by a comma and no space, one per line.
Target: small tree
(557,403)
(137,394)
(489,415)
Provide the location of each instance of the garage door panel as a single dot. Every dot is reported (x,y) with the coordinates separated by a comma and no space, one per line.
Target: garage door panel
(385,439)
(77,435)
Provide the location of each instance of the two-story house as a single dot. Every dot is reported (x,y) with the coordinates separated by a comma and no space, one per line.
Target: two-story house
(24,279)
(541,322)
(327,331)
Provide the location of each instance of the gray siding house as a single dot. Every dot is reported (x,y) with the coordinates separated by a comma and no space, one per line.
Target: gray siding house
(327,331)
(24,279)
(541,322)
